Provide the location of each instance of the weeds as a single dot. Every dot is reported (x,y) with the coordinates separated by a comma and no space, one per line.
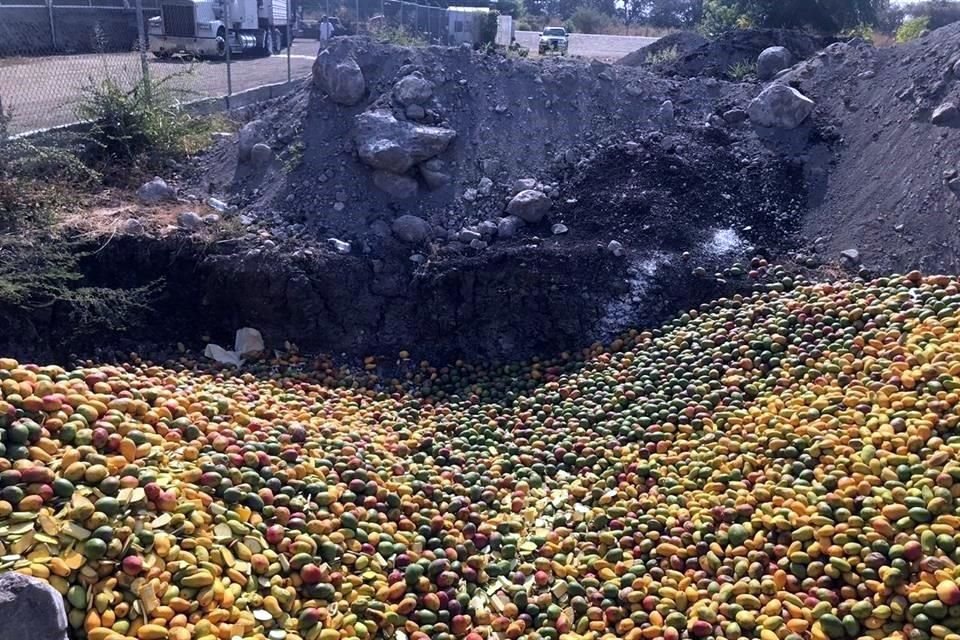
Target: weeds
(664,55)
(5,118)
(400,37)
(742,70)
(912,29)
(146,121)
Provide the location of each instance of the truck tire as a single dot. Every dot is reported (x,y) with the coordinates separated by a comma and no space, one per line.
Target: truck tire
(221,43)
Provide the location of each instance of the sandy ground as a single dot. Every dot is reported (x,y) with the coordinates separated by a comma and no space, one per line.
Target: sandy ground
(43,92)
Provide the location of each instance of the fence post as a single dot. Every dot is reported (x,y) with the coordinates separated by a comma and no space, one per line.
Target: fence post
(53,27)
(142,36)
(226,13)
(289,38)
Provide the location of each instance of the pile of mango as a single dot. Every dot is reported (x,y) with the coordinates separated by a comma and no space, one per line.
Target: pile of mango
(780,466)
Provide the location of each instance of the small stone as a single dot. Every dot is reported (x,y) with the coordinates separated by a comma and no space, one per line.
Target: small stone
(487,229)
(571,156)
(413,89)
(468,235)
(339,206)
(507,227)
(156,191)
(211,218)
(715,121)
(616,248)
(666,115)
(668,144)
(530,205)
(478,244)
(944,114)
(415,112)
(251,134)
(261,154)
(734,116)
(339,245)
(500,108)
(851,255)
(485,186)
(523,184)
(470,195)
(189,220)
(411,229)
(771,61)
(780,106)
(219,205)
(418,258)
(132,226)
(380,228)
(434,173)
(559,229)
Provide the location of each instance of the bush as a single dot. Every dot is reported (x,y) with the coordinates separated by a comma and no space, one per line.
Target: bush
(145,121)
(587,20)
(664,55)
(741,71)
(911,29)
(400,37)
(863,31)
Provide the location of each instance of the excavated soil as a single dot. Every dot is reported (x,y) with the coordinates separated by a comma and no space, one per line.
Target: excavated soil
(663,195)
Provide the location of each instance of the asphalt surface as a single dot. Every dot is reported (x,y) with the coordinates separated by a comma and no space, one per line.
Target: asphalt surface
(44,92)
(590,46)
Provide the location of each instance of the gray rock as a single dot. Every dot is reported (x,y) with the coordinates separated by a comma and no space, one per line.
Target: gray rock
(413,89)
(250,135)
(771,61)
(396,186)
(851,255)
(507,227)
(666,115)
(956,68)
(380,228)
(386,143)
(189,220)
(132,226)
(470,195)
(944,114)
(485,186)
(261,154)
(523,184)
(434,173)
(211,218)
(337,73)
(415,112)
(734,116)
(530,205)
(616,248)
(478,244)
(156,191)
(411,229)
(559,229)
(715,121)
(487,229)
(781,107)
(339,245)
(30,609)
(468,235)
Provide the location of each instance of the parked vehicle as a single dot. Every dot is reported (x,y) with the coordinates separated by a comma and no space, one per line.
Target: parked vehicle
(199,27)
(554,40)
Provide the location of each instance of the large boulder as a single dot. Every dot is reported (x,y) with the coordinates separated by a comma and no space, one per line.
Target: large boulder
(530,205)
(780,106)
(336,72)
(388,144)
(772,61)
(396,186)
(30,609)
(413,90)
(411,229)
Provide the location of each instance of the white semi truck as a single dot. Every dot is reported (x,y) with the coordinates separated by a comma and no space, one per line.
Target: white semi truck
(199,27)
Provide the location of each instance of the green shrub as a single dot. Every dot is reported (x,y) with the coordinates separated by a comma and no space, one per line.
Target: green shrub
(742,70)
(911,29)
(401,37)
(863,31)
(145,121)
(663,55)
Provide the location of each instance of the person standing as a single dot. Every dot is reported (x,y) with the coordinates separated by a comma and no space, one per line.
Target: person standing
(324,31)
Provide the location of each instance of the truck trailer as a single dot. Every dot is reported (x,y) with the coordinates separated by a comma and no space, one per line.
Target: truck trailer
(200,27)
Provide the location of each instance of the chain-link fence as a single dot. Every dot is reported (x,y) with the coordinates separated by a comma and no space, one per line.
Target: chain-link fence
(54,55)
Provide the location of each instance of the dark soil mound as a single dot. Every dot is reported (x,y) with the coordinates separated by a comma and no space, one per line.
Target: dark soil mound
(884,190)
(675,44)
(742,46)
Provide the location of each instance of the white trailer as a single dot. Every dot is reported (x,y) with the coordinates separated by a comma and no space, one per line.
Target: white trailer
(200,27)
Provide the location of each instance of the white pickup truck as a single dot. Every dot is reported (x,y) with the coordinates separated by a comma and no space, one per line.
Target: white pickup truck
(554,40)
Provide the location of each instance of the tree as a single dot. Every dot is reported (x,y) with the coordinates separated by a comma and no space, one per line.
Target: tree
(831,16)
(674,14)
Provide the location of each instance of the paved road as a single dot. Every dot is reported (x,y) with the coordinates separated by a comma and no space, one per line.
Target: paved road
(591,46)
(43,92)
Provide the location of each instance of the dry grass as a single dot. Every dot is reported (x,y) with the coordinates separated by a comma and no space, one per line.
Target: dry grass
(883,39)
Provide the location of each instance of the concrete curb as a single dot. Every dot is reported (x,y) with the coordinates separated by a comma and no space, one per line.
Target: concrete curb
(200,107)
